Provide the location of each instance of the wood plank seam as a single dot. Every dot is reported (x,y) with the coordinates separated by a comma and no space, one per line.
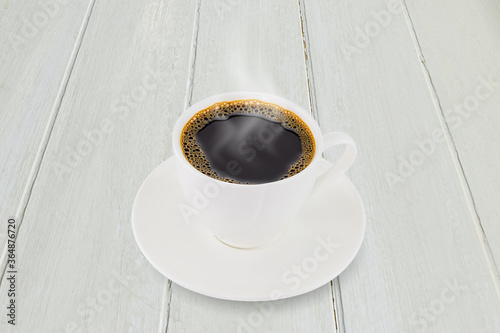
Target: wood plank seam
(192,57)
(468,195)
(24,201)
(338,312)
(308,60)
(167,295)
(335,283)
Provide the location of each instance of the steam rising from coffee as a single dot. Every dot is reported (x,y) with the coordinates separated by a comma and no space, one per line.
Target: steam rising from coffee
(247,141)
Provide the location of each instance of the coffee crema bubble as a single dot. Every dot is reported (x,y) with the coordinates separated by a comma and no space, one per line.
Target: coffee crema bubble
(247,142)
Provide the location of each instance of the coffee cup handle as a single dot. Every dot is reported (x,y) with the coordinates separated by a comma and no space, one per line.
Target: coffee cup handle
(333,171)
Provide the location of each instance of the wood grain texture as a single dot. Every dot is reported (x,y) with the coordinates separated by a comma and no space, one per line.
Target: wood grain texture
(254,46)
(400,79)
(80,269)
(250,47)
(38,46)
(464,67)
(421,239)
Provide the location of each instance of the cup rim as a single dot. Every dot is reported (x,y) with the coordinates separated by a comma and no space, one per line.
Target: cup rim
(241,95)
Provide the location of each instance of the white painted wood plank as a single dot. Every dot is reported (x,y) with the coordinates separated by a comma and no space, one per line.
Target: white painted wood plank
(38,44)
(421,239)
(191,312)
(250,46)
(464,66)
(80,269)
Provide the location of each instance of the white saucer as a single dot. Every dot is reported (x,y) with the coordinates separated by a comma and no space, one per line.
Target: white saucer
(294,264)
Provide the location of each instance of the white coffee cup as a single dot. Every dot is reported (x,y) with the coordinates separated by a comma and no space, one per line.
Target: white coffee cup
(250,215)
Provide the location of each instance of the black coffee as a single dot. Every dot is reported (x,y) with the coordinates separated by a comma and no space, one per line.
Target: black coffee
(248,142)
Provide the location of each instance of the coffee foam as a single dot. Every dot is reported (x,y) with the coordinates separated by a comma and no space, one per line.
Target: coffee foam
(219,111)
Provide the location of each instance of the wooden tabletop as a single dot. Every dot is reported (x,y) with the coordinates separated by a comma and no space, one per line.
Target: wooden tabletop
(89,93)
